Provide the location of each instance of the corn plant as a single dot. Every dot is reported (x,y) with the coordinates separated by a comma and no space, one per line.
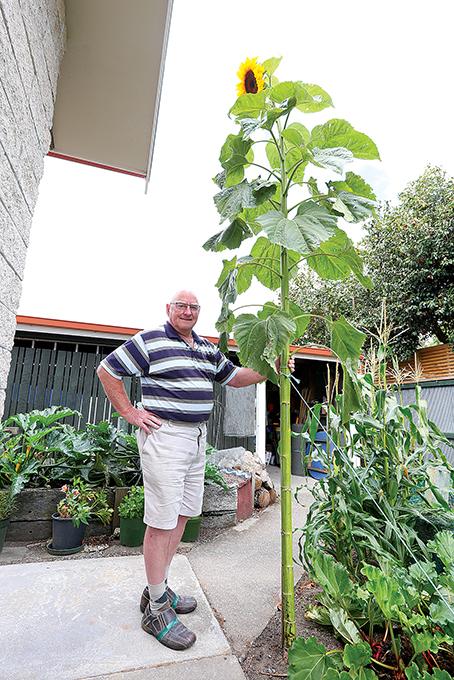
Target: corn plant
(266,193)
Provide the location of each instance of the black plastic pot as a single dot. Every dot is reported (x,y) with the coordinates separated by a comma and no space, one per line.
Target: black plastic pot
(65,535)
(3,529)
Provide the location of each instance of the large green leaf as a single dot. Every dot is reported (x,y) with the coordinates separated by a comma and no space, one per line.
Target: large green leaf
(261,341)
(235,279)
(232,200)
(344,626)
(337,258)
(273,155)
(301,319)
(333,158)
(271,64)
(386,591)
(308,660)
(286,90)
(339,133)
(443,547)
(249,105)
(267,262)
(316,99)
(229,238)
(235,154)
(346,340)
(296,134)
(353,208)
(315,216)
(332,577)
(303,233)
(355,184)
(357,655)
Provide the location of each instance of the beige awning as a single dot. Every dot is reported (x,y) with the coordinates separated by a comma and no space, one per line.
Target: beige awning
(110,83)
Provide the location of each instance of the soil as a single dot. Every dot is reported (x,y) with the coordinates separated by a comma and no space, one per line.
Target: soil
(265,657)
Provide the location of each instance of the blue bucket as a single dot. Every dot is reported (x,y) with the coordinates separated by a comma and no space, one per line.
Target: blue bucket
(315,467)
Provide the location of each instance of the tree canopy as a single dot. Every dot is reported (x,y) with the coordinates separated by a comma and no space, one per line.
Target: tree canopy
(408,251)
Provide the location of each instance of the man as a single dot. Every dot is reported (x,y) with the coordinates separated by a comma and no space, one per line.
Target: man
(177,369)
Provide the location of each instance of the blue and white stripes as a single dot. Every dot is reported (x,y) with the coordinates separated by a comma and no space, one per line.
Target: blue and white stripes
(176,379)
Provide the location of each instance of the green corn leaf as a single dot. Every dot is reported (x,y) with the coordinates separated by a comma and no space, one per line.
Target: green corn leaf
(339,133)
(308,660)
(261,341)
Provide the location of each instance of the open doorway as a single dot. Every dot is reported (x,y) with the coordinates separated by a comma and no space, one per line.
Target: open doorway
(313,379)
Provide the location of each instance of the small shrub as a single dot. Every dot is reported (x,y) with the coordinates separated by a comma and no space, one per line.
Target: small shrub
(132,505)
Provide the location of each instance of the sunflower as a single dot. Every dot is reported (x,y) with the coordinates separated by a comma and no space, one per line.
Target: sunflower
(250,74)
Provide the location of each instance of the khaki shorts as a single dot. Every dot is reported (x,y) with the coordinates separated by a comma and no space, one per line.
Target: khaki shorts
(173,467)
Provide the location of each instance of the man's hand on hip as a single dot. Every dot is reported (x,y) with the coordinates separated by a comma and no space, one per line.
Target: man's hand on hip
(146,420)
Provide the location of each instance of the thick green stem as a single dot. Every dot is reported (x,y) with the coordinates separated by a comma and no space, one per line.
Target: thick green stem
(288,591)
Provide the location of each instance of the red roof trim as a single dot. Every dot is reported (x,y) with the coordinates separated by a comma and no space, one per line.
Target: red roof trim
(64,157)
(124,330)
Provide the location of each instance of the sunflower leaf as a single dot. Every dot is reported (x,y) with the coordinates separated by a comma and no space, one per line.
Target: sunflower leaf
(337,258)
(333,158)
(232,200)
(339,133)
(271,64)
(355,184)
(353,208)
(260,341)
(229,238)
(249,105)
(296,134)
(267,262)
(302,234)
(317,99)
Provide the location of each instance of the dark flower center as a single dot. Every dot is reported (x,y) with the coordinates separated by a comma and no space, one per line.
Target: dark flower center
(250,83)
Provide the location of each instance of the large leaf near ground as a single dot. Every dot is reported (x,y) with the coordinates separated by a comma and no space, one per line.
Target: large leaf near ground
(229,238)
(302,234)
(353,208)
(308,660)
(343,625)
(232,200)
(386,591)
(358,655)
(337,258)
(267,262)
(249,105)
(332,577)
(355,184)
(261,341)
(333,158)
(339,133)
(346,340)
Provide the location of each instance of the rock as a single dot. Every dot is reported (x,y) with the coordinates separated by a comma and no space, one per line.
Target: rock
(216,499)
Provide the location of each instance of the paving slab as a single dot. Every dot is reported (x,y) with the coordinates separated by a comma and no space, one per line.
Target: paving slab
(218,667)
(240,571)
(80,619)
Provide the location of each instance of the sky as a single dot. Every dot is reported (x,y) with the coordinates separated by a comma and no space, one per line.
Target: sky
(102,251)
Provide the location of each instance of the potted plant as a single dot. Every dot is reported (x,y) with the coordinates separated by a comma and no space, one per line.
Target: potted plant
(131,509)
(79,504)
(7,505)
(212,475)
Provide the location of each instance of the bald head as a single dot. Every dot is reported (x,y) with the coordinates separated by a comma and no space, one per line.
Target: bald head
(183,312)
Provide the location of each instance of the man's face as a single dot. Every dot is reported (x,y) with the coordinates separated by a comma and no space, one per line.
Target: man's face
(181,316)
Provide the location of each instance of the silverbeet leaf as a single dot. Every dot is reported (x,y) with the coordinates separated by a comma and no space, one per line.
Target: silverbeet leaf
(309,660)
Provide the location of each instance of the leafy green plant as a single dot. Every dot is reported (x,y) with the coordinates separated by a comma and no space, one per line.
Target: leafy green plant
(7,503)
(132,505)
(293,219)
(81,503)
(366,537)
(212,474)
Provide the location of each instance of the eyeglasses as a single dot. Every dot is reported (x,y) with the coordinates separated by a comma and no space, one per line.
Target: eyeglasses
(181,306)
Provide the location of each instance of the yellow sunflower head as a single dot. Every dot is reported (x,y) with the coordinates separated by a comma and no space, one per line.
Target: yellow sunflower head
(250,75)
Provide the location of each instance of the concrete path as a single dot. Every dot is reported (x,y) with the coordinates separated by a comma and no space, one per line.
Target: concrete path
(240,571)
(79,619)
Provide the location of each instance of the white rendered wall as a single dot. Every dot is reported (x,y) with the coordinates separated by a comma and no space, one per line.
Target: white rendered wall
(32,40)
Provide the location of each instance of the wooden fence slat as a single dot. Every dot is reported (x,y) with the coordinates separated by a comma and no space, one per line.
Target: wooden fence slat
(89,362)
(39,396)
(71,400)
(24,384)
(58,379)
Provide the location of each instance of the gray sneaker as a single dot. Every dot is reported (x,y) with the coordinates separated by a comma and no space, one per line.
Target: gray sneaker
(182,604)
(167,628)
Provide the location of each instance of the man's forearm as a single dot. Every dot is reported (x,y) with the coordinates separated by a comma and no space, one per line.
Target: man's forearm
(246,376)
(115,392)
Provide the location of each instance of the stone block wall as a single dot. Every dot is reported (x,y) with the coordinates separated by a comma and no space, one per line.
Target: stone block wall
(32,41)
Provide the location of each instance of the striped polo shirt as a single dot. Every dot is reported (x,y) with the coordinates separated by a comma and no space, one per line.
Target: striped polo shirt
(176,379)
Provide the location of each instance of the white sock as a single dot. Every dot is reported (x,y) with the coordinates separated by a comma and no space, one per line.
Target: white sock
(158,595)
